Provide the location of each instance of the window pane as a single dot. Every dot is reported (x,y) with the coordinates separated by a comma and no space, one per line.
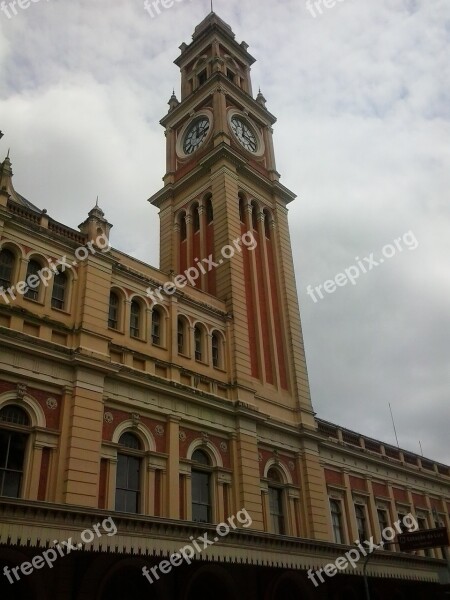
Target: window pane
(59,290)
(12,452)
(113,314)
(14,414)
(201,457)
(133,473)
(16,451)
(215,350)
(4,446)
(156,328)
(33,269)
(11,484)
(134,319)
(129,440)
(276,509)
(127,483)
(121,500)
(6,268)
(121,477)
(201,508)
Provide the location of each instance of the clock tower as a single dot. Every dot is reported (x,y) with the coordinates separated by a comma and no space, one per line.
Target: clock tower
(221,186)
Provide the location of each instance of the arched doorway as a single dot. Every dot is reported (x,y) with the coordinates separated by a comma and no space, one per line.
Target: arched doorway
(211,581)
(290,586)
(127,583)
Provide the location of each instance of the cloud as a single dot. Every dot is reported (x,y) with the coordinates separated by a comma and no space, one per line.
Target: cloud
(362,99)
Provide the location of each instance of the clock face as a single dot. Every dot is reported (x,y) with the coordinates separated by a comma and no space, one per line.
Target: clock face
(244,134)
(195,135)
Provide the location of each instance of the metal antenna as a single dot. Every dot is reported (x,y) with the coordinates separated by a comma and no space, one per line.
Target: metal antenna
(420,444)
(395,431)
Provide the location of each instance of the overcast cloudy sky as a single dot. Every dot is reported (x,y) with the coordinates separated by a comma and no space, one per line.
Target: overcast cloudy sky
(361,93)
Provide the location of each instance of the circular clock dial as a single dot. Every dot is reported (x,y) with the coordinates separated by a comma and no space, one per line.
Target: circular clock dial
(195,135)
(244,134)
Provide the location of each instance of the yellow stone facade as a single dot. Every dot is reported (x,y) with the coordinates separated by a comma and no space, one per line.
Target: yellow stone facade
(217,366)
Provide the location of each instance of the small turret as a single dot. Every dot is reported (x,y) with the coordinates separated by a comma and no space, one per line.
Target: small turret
(96,226)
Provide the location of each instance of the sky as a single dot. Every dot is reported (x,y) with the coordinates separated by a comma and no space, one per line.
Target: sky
(361,94)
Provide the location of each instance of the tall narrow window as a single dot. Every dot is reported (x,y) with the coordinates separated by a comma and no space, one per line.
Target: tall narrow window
(383,520)
(255,216)
(183,231)
(276,502)
(336,520)
(196,218)
(198,341)
(59,291)
(230,75)
(202,77)
(113,311)
(209,211)
(201,487)
(34,268)
(215,341)
(181,336)
(422,523)
(135,318)
(6,268)
(12,450)
(267,224)
(156,327)
(241,210)
(128,474)
(360,512)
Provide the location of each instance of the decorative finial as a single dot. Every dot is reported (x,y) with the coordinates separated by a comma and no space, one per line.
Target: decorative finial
(96,202)
(260,98)
(7,156)
(212,7)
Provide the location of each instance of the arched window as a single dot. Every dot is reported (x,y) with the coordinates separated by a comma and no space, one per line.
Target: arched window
(135,319)
(198,343)
(34,283)
(6,268)
(216,350)
(276,501)
(181,336)
(201,487)
(336,521)
(209,211)
(360,513)
(128,478)
(156,327)
(59,292)
(113,311)
(12,450)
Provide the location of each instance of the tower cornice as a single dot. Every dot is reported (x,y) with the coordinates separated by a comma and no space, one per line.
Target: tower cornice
(217,83)
(222,151)
(212,26)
